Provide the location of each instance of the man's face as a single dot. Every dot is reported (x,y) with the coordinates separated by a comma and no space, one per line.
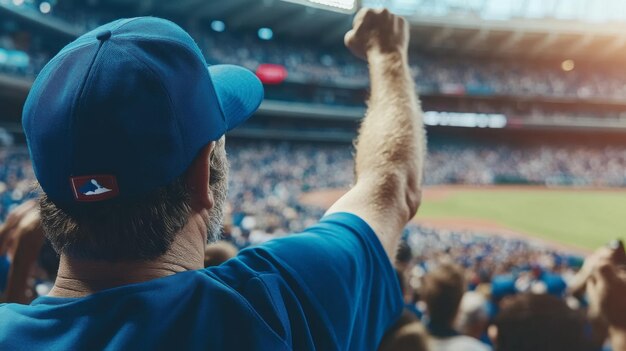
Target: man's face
(219,186)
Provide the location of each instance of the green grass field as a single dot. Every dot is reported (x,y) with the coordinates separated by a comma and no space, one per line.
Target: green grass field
(582,218)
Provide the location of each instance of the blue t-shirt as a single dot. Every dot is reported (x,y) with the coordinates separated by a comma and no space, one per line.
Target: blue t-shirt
(331,287)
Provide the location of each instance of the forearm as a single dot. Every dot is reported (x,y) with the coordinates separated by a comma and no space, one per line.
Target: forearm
(391,141)
(19,272)
(391,145)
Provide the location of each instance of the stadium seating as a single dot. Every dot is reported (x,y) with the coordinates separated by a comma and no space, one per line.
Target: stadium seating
(269,178)
(335,67)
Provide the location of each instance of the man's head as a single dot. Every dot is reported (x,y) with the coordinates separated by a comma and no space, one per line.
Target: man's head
(532,322)
(408,334)
(142,228)
(125,129)
(442,290)
(473,315)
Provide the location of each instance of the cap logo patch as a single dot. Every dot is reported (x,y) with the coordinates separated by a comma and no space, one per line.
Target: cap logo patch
(94,187)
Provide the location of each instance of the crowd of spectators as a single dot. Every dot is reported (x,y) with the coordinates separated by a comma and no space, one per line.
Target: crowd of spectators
(334,66)
(434,74)
(515,265)
(16,178)
(544,165)
(463,290)
(18,60)
(267,180)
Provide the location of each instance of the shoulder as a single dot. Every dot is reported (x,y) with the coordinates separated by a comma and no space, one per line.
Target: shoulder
(318,280)
(343,221)
(337,234)
(339,240)
(344,227)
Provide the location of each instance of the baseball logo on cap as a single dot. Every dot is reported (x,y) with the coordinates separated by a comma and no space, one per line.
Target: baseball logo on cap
(94,187)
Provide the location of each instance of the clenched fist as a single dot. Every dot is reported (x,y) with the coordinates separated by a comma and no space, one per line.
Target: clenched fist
(377,31)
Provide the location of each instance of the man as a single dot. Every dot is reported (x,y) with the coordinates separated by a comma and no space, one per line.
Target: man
(132,107)
(442,290)
(603,277)
(473,315)
(538,322)
(408,334)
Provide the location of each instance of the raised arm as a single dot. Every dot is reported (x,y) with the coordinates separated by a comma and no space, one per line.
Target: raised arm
(21,236)
(606,291)
(391,144)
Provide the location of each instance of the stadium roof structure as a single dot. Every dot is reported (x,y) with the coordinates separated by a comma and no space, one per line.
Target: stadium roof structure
(515,28)
(287,18)
(582,29)
(590,30)
(592,11)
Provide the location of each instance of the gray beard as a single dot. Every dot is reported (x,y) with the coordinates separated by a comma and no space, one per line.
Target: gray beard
(215,222)
(219,187)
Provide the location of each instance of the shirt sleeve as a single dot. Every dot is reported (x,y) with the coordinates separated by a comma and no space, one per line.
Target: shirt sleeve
(331,287)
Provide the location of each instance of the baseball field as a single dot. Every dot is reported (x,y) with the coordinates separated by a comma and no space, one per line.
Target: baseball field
(568,218)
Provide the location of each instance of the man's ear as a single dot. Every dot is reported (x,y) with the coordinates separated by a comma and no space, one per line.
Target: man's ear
(198,175)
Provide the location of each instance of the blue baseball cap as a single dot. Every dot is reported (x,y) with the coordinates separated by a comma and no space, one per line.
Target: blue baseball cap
(125,109)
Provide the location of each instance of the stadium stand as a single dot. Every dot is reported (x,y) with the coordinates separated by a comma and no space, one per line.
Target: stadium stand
(334,67)
(518,279)
(268,178)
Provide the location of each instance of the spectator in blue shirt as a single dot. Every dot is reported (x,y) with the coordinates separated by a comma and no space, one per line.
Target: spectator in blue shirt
(125,129)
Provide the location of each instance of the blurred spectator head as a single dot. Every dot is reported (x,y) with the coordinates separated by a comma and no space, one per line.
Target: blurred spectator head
(442,290)
(473,317)
(408,334)
(219,252)
(530,322)
(403,256)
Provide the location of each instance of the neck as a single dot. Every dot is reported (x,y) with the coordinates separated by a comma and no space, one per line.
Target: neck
(80,277)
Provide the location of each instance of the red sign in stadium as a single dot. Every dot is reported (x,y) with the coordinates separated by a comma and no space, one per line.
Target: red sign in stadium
(271,74)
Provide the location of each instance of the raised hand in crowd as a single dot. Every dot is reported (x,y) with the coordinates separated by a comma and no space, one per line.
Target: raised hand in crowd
(21,237)
(606,291)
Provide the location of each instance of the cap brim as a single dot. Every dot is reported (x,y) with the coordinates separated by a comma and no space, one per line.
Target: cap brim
(239,92)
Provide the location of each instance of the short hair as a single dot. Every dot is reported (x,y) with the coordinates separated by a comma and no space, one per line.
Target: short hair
(531,322)
(442,291)
(473,311)
(141,228)
(408,334)
(404,254)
